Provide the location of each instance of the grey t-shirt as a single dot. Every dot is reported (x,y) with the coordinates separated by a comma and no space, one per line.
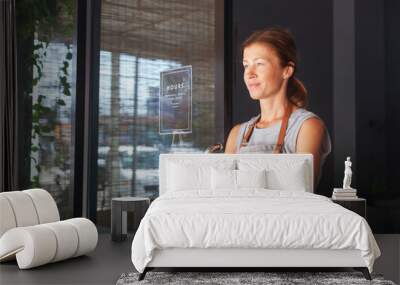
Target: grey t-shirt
(264,140)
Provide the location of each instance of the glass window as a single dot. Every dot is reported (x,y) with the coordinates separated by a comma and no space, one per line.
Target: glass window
(46,88)
(138,41)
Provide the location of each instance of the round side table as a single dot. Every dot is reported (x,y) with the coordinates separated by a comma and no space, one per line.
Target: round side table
(119,208)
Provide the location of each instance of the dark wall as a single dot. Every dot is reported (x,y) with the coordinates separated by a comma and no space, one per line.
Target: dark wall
(377,101)
(350,63)
(311,24)
(392,98)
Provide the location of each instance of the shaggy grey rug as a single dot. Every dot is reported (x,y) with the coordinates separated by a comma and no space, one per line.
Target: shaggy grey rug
(228,278)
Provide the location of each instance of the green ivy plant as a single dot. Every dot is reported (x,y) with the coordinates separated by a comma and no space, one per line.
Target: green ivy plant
(44,20)
(39,110)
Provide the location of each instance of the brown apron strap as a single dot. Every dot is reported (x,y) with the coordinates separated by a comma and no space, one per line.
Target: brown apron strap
(247,135)
(282,131)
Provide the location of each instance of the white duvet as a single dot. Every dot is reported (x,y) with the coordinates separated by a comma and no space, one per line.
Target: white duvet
(250,219)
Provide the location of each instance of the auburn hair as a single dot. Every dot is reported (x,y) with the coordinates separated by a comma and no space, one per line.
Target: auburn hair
(282,42)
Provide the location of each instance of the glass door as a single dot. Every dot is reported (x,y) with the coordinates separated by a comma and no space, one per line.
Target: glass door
(139,40)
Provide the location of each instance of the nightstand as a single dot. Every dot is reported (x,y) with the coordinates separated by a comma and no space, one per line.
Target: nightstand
(358,205)
(119,208)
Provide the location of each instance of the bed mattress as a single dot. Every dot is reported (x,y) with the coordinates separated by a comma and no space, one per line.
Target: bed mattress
(251,219)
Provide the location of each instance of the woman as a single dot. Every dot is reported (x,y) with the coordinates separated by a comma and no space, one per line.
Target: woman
(284,126)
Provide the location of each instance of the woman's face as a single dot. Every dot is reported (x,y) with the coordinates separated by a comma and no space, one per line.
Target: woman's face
(263,74)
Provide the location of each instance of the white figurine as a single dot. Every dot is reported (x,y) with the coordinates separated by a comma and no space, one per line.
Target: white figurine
(347,174)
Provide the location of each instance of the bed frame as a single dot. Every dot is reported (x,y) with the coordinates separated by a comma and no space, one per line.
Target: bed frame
(243,259)
(246,258)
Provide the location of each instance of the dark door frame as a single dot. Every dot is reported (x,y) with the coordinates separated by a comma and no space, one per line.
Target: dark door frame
(85,132)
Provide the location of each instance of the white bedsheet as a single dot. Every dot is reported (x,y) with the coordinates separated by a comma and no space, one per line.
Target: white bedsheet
(250,218)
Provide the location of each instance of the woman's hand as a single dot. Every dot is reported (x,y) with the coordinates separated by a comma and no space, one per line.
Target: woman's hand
(310,139)
(232,138)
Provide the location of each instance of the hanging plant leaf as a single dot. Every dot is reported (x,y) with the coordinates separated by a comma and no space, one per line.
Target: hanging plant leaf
(63,80)
(61,102)
(37,129)
(35,181)
(40,98)
(66,92)
(46,129)
(45,109)
(35,117)
(37,46)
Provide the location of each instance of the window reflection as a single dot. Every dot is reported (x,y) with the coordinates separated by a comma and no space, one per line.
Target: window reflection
(46,89)
(138,41)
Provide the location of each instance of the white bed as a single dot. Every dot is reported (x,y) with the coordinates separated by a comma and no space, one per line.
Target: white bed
(200,220)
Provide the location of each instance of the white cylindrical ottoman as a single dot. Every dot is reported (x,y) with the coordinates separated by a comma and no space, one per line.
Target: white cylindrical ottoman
(40,244)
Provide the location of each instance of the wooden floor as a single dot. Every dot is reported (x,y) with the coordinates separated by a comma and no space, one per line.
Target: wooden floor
(111,259)
(103,266)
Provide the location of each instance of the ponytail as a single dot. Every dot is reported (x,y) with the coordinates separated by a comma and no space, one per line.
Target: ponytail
(297,93)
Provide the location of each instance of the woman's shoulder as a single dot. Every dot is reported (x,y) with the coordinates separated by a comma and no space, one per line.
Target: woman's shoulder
(236,134)
(302,122)
(312,126)
(236,128)
(302,112)
(302,116)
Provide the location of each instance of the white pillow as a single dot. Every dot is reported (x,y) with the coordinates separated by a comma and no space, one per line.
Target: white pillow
(185,174)
(281,174)
(223,179)
(251,178)
(182,177)
(292,179)
(226,179)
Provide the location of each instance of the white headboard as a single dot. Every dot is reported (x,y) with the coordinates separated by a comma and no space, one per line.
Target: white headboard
(273,159)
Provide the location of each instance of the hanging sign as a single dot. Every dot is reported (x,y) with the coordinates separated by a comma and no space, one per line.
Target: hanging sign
(175,116)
